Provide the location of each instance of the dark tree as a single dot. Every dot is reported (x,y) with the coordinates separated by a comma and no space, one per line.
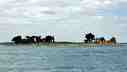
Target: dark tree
(43,40)
(28,39)
(36,39)
(49,39)
(89,38)
(17,39)
(102,39)
(113,39)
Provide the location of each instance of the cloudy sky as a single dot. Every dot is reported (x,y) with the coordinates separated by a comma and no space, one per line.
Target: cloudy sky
(65,19)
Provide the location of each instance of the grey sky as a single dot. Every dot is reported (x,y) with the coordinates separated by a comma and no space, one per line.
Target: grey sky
(66,19)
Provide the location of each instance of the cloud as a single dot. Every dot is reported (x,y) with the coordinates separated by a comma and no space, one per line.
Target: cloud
(44,7)
(64,17)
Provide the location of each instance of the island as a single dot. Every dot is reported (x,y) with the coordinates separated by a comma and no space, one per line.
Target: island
(90,40)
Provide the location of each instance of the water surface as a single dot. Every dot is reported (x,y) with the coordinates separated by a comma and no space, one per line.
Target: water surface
(26,58)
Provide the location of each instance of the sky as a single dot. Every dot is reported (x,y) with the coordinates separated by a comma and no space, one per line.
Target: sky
(67,20)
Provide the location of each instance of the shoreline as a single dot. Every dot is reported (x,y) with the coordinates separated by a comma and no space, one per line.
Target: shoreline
(64,45)
(61,42)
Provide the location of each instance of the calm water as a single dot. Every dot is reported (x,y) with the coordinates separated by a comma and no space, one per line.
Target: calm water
(29,59)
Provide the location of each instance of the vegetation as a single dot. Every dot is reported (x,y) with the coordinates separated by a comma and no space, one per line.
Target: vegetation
(33,39)
(89,39)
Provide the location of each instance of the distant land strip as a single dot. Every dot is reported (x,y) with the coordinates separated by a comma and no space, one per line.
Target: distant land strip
(64,45)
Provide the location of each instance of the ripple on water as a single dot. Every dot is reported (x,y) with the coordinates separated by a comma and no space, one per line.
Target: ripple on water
(28,59)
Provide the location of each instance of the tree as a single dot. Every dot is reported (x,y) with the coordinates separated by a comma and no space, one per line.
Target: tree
(17,39)
(49,39)
(89,37)
(113,40)
(102,39)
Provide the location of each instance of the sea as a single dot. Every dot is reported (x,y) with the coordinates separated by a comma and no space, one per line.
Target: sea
(28,58)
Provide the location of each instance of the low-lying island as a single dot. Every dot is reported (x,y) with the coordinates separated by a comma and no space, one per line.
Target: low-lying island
(62,45)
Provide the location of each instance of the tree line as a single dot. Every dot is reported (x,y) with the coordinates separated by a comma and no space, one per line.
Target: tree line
(33,39)
(89,38)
